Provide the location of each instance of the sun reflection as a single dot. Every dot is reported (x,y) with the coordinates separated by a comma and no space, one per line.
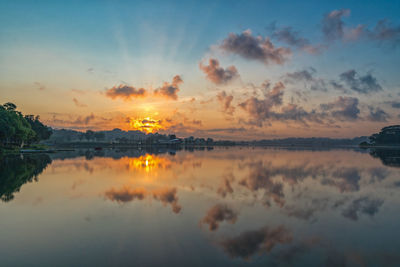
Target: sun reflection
(148,124)
(148,163)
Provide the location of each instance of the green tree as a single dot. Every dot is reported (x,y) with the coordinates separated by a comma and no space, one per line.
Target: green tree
(16,129)
(10,106)
(23,131)
(42,131)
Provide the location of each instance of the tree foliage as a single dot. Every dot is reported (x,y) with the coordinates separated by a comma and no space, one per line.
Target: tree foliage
(17,129)
(389,135)
(42,131)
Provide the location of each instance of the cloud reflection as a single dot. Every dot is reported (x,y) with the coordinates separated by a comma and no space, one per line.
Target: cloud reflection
(125,194)
(218,214)
(363,205)
(167,196)
(263,240)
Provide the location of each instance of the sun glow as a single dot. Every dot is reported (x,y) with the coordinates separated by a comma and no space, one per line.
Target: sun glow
(148,124)
(148,163)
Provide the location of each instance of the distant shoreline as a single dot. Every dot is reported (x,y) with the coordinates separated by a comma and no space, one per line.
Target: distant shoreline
(70,148)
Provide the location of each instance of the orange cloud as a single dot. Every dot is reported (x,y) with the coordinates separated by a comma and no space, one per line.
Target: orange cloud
(170,90)
(125,92)
(217,74)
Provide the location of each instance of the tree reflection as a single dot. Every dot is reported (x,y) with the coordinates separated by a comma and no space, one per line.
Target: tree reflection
(15,171)
(389,157)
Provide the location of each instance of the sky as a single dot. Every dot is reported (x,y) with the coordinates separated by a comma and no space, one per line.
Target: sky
(222,69)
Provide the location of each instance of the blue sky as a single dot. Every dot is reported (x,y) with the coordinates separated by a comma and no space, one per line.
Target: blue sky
(61,47)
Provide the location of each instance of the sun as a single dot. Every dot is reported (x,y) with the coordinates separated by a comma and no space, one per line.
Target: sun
(148,124)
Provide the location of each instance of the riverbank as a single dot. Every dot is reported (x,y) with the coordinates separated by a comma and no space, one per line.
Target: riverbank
(39,148)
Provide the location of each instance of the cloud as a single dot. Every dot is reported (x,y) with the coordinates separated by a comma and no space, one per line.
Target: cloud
(125,194)
(361,84)
(294,112)
(338,86)
(385,32)
(394,104)
(168,196)
(255,48)
(226,102)
(261,109)
(332,24)
(217,74)
(197,122)
(343,108)
(258,109)
(249,243)
(125,92)
(275,94)
(377,114)
(228,130)
(293,38)
(333,28)
(302,75)
(307,77)
(354,34)
(218,214)
(364,205)
(78,104)
(170,90)
(40,86)
(78,91)
(85,119)
(61,120)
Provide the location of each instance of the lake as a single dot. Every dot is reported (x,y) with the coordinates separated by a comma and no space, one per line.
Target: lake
(236,206)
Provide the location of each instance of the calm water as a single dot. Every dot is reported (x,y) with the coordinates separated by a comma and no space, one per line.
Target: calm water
(220,207)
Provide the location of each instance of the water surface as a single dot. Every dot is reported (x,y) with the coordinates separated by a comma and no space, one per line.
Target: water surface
(211,207)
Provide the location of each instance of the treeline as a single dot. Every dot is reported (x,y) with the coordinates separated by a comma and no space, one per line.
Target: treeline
(388,136)
(17,129)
